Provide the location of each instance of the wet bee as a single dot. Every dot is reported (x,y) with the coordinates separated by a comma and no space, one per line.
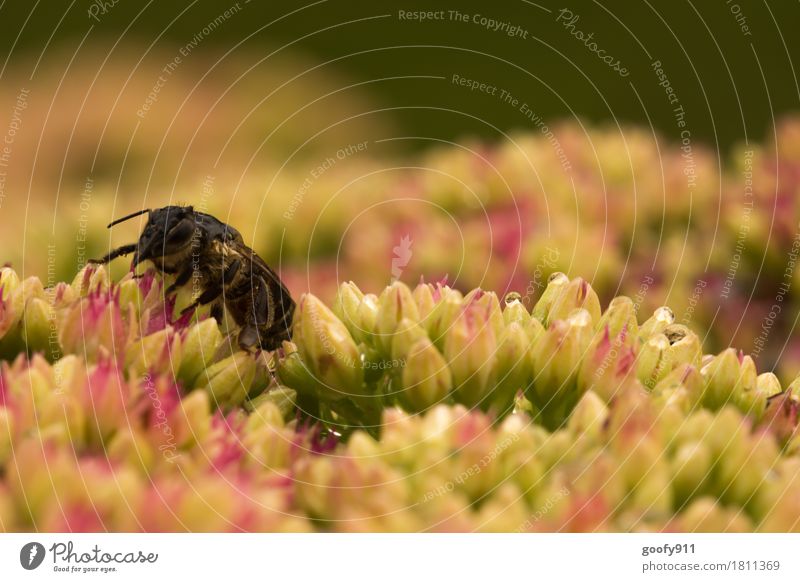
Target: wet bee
(193,245)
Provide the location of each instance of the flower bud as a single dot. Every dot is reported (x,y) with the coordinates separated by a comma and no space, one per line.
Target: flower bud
(515,311)
(200,343)
(408,333)
(394,304)
(470,348)
(658,322)
(707,515)
(488,300)
(9,281)
(589,416)
(556,360)
(368,317)
(443,315)
(10,336)
(513,371)
(651,363)
(752,399)
(691,466)
(423,295)
(7,434)
(607,365)
(193,422)
(346,305)
(555,285)
(684,346)
(327,349)
(683,387)
(578,294)
(90,279)
(37,322)
(620,315)
(294,373)
(158,352)
(426,379)
(534,330)
(130,294)
(726,378)
(780,416)
(282,398)
(92,326)
(228,381)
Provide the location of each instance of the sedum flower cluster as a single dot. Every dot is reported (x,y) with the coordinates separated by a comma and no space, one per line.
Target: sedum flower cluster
(418,409)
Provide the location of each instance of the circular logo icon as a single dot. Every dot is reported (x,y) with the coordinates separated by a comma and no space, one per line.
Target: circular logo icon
(31,555)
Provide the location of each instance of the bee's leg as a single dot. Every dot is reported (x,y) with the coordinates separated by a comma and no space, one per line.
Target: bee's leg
(217,311)
(248,337)
(230,271)
(205,298)
(118,252)
(180,281)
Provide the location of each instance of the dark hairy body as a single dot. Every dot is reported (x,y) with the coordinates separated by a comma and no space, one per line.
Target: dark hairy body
(197,247)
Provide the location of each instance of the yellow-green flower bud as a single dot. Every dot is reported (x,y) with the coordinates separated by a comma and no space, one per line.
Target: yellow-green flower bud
(407,334)
(426,379)
(683,386)
(443,315)
(488,301)
(707,515)
(556,360)
(228,381)
(684,346)
(780,414)
(423,295)
(327,349)
(394,304)
(513,371)
(753,399)
(470,348)
(284,399)
(578,294)
(555,286)
(7,434)
(657,323)
(607,366)
(515,311)
(691,467)
(725,378)
(90,278)
(346,305)
(157,352)
(130,294)
(652,362)
(9,281)
(39,327)
(200,343)
(368,317)
(620,315)
(589,416)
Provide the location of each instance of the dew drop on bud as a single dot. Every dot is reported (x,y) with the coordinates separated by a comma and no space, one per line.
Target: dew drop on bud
(511,297)
(665,314)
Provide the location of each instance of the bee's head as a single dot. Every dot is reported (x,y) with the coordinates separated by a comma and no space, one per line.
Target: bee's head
(168,230)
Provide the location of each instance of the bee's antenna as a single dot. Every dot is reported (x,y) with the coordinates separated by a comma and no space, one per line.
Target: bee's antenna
(124,218)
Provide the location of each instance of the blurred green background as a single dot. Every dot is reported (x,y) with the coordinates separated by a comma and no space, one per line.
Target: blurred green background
(731,82)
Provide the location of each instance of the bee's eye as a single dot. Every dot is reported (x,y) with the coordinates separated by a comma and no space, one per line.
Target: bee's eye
(180,234)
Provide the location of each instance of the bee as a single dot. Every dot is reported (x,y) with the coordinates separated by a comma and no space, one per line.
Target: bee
(193,245)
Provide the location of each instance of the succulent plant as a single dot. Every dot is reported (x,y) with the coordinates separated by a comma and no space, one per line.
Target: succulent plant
(417,410)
